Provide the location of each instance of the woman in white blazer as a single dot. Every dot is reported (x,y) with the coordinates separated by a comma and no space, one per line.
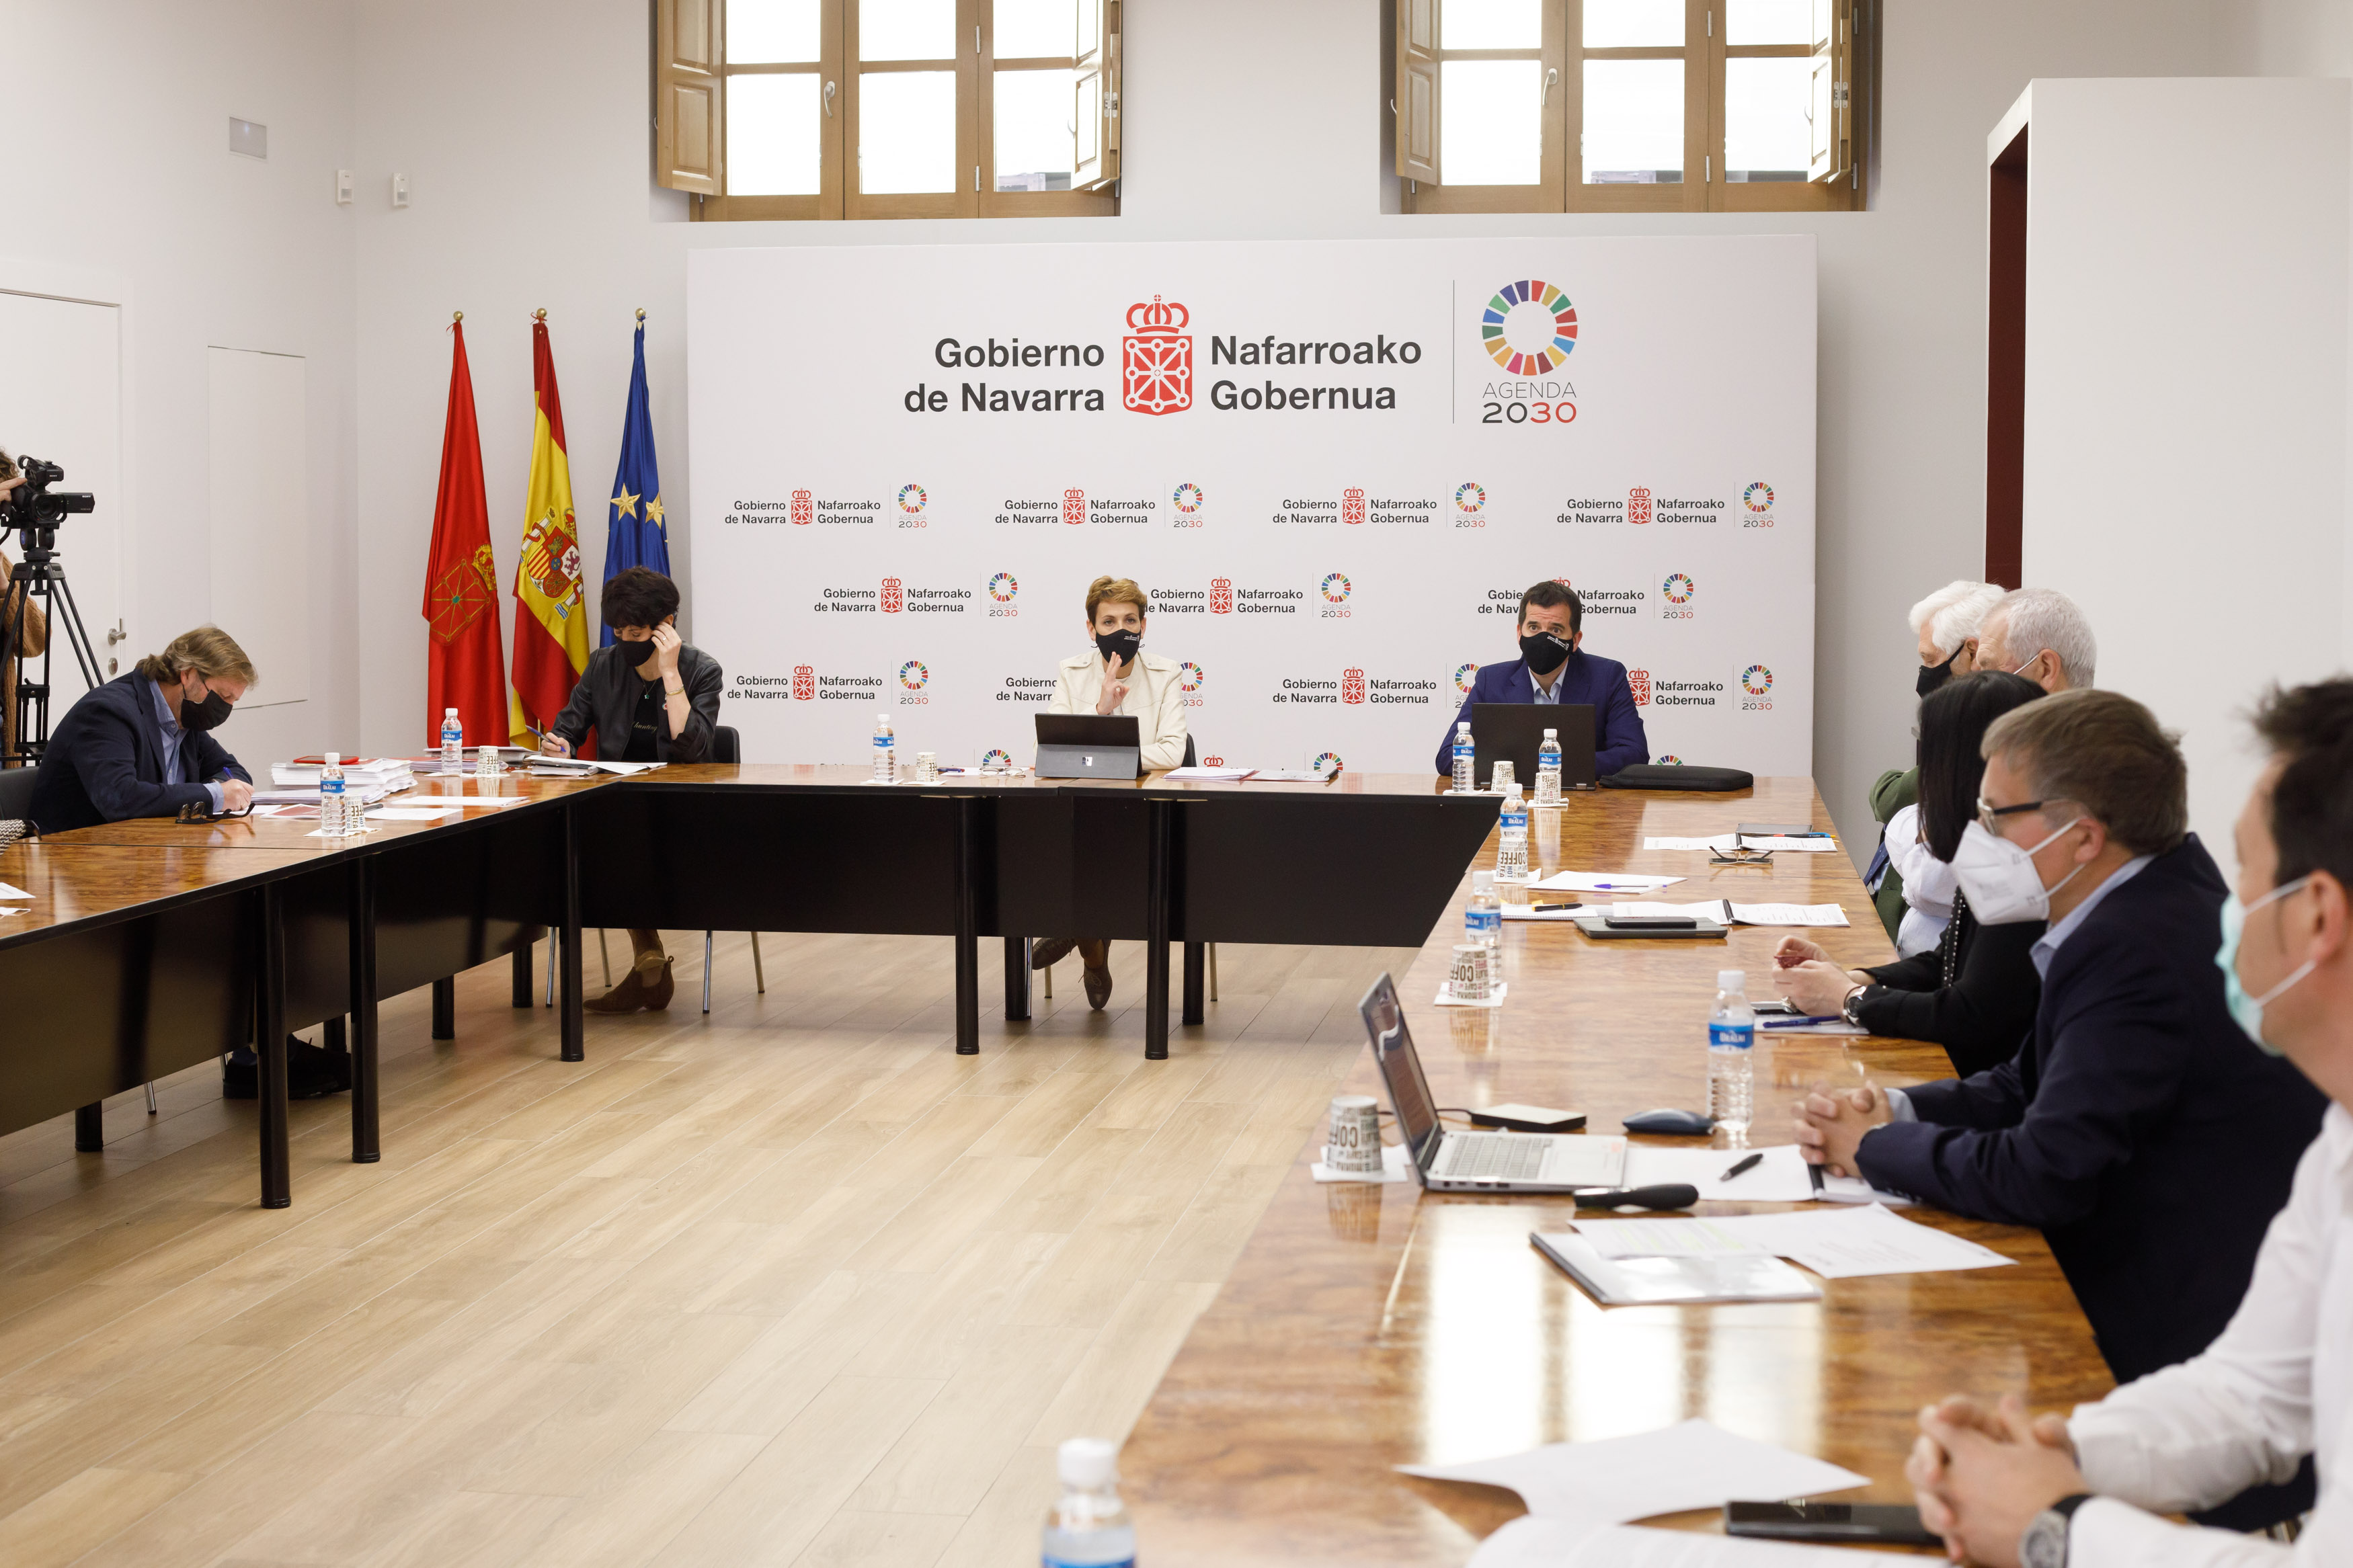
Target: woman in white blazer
(1118,676)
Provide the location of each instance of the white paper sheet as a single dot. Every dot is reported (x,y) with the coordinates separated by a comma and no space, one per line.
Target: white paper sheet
(413,814)
(1523,913)
(1790,914)
(9,892)
(1213,774)
(1625,1546)
(1836,1244)
(1695,1464)
(1602,882)
(1721,841)
(4,913)
(1796,846)
(1779,1178)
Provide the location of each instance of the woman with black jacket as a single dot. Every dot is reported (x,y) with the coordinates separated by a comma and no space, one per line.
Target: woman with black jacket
(1975,992)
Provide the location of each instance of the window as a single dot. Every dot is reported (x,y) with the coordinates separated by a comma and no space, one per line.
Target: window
(879,109)
(1627,105)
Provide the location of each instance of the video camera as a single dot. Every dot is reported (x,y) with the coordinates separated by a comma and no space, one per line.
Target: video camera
(34,505)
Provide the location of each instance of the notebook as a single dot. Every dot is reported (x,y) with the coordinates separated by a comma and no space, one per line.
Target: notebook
(1658,1282)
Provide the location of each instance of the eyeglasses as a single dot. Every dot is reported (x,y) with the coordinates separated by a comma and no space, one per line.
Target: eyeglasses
(1989,815)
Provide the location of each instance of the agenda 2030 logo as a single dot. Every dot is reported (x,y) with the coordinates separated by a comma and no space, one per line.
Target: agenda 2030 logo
(1336,589)
(1755,681)
(913,675)
(1002,590)
(1189,679)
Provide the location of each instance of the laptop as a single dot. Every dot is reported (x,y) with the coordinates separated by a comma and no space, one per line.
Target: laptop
(1090,746)
(1446,1161)
(1513,730)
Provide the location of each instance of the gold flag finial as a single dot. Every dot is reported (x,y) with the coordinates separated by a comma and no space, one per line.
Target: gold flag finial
(457,315)
(642,312)
(539,315)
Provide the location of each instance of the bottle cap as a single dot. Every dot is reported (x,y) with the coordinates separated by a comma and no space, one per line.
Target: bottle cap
(335,759)
(1463,726)
(1552,734)
(1087,1462)
(1482,880)
(1732,980)
(453,713)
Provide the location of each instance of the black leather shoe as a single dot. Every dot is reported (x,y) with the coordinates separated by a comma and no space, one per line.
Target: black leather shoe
(1051,949)
(312,1072)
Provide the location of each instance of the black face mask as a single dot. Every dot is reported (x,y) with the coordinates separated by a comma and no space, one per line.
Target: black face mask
(650,668)
(1545,651)
(210,714)
(1932,676)
(1121,645)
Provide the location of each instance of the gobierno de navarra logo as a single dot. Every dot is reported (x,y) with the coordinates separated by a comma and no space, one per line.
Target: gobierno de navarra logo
(1155,365)
(1757,680)
(1639,681)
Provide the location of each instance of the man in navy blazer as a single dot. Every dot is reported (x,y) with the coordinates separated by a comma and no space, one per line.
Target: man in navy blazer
(141,745)
(2140,1129)
(1553,667)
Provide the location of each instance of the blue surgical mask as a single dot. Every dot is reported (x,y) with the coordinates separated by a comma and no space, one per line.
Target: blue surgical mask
(2247,1011)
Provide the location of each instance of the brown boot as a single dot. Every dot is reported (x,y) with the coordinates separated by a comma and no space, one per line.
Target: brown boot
(627,997)
(1048,951)
(659,992)
(1097,975)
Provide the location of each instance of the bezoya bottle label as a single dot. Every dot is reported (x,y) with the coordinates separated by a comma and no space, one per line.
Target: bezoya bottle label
(1731,1037)
(1051,1561)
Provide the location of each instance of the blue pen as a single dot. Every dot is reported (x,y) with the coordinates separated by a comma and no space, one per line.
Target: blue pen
(1801,1022)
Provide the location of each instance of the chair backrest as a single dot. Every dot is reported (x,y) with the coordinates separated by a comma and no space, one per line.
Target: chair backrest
(1190,754)
(726,746)
(17,791)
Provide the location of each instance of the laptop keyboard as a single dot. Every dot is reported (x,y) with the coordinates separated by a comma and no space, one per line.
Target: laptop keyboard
(1493,1157)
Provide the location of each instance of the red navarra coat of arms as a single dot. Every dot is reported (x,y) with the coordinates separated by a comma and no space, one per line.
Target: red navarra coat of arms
(1640,681)
(1221,595)
(804,683)
(1352,507)
(1352,686)
(1074,507)
(894,595)
(1156,375)
(804,510)
(1638,504)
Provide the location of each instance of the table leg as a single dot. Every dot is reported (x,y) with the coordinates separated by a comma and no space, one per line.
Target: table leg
(967,931)
(573,1020)
(332,1037)
(1155,931)
(444,1008)
(1017,979)
(1194,953)
(270,1052)
(89,1127)
(522,997)
(365,1149)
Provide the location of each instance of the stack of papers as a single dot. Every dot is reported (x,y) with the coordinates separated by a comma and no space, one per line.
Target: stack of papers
(1836,1244)
(1688,1277)
(1729,841)
(581,767)
(367,794)
(1779,1178)
(1216,775)
(1601,882)
(389,773)
(1727,912)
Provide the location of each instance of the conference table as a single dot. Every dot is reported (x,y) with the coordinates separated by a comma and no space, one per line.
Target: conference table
(1369,1326)
(293,928)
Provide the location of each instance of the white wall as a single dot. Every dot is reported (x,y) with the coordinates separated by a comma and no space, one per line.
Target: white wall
(120,185)
(1218,145)
(2185,393)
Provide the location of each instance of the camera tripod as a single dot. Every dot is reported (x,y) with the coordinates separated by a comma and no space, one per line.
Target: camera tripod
(40,575)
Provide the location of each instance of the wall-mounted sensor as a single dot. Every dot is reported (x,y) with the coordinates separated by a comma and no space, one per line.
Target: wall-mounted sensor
(342,187)
(400,190)
(247,140)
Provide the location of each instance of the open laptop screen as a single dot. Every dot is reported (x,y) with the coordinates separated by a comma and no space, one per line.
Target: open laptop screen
(1402,1070)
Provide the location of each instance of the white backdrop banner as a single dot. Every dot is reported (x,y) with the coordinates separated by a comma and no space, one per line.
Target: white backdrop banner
(1334,466)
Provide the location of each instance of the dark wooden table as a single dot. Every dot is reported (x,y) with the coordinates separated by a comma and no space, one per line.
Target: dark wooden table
(1366,1327)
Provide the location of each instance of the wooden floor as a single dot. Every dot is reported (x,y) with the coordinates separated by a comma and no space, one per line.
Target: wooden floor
(792,1284)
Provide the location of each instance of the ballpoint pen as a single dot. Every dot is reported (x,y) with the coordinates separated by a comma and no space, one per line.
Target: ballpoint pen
(1814,1174)
(1750,1163)
(1801,1022)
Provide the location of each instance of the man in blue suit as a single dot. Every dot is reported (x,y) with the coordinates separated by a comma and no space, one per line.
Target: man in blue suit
(1554,668)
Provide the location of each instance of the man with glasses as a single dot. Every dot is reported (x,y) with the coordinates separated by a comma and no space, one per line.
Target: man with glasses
(2137,1127)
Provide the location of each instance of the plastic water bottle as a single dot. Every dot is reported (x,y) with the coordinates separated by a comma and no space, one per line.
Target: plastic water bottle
(1511,856)
(886,751)
(1482,918)
(334,814)
(453,743)
(1548,769)
(1465,772)
(1732,1053)
(1088,1526)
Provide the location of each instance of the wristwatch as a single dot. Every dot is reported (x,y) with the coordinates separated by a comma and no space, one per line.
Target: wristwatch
(1847,1007)
(2044,1544)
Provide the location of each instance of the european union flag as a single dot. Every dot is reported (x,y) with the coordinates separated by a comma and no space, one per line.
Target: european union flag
(638,534)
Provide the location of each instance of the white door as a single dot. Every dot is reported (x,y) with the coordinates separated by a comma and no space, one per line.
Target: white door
(61,401)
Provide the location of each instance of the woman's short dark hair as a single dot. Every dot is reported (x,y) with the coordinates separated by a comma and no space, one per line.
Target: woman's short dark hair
(1953,723)
(1551,593)
(639,596)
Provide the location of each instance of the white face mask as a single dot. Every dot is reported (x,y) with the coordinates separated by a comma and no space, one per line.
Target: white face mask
(2000,878)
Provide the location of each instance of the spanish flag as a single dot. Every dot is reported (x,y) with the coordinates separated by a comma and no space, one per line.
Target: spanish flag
(550,624)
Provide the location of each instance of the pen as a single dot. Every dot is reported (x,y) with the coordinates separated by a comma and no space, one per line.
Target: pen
(1750,1163)
(1801,1022)
(1814,1174)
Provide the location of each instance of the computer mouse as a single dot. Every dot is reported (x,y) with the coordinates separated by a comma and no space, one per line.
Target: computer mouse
(1680,1123)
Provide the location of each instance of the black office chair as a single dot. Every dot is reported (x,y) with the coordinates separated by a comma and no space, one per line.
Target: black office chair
(1192,759)
(727,746)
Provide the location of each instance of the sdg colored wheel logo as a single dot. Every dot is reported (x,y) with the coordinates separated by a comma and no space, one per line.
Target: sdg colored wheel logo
(914,675)
(1757,496)
(1190,676)
(1678,589)
(1336,587)
(995,758)
(1528,328)
(1002,587)
(1470,495)
(912,498)
(1187,498)
(1464,674)
(1757,680)
(1326,763)
(1671,760)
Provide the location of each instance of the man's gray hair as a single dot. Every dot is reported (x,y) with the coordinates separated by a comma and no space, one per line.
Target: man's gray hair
(2037,619)
(1954,612)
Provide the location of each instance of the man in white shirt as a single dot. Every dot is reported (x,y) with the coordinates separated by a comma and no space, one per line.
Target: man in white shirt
(2085,1491)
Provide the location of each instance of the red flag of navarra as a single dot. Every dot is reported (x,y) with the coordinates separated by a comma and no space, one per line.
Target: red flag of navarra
(551,628)
(461,579)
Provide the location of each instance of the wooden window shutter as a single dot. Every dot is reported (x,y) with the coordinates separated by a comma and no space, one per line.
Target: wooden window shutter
(689,108)
(1827,97)
(1096,113)
(1416,98)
